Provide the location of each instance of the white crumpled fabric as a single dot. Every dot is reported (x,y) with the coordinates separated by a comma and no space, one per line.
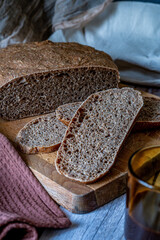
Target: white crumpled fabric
(76,13)
(130,33)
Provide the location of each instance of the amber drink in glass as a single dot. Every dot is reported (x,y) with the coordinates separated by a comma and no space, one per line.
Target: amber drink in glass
(142,220)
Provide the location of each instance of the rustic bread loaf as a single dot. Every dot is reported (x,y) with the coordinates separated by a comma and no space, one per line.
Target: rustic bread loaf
(43,134)
(149,116)
(35,78)
(96,134)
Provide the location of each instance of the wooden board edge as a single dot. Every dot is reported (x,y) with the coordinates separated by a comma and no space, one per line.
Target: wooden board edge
(112,190)
(80,204)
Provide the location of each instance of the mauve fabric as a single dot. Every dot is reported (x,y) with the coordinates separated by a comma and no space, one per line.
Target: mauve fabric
(24,203)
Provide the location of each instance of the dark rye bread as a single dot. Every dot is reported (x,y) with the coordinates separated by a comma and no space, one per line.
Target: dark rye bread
(96,134)
(149,116)
(65,112)
(35,78)
(43,134)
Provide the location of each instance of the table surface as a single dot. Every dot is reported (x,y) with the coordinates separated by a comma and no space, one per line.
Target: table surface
(106,222)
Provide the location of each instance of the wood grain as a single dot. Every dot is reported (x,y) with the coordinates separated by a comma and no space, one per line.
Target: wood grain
(74,196)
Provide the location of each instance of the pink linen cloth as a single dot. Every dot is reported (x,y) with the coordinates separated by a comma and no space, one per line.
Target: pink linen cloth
(24,203)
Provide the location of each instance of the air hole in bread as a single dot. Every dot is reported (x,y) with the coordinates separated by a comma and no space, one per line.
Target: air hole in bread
(70,136)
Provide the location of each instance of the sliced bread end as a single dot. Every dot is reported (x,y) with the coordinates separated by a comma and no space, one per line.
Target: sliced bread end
(43,134)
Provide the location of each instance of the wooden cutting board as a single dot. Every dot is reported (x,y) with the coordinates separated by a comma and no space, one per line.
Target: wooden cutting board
(74,196)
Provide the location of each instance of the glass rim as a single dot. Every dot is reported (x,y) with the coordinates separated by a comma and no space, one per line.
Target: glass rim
(132,172)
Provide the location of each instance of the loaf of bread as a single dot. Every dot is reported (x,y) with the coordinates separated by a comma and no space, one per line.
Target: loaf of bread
(43,134)
(96,134)
(35,78)
(149,116)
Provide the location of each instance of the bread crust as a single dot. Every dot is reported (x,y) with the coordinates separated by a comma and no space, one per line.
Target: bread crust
(145,125)
(26,59)
(34,150)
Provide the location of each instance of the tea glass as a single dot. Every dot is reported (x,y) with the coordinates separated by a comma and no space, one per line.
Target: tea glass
(142,217)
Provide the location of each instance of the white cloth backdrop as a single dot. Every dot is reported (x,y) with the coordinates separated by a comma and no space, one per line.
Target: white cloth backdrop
(130,33)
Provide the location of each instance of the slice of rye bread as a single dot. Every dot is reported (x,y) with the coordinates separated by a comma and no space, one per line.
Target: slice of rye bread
(43,134)
(96,134)
(37,77)
(149,116)
(65,112)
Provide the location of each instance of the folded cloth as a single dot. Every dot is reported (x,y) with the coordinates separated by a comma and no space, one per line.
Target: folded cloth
(24,203)
(130,39)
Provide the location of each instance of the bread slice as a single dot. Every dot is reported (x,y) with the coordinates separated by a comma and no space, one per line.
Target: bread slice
(43,134)
(37,77)
(96,134)
(65,112)
(149,116)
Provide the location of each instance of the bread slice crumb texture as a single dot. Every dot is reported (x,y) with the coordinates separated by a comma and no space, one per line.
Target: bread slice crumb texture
(150,111)
(96,133)
(149,115)
(65,112)
(43,134)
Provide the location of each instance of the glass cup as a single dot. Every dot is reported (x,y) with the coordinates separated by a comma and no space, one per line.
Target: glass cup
(142,219)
